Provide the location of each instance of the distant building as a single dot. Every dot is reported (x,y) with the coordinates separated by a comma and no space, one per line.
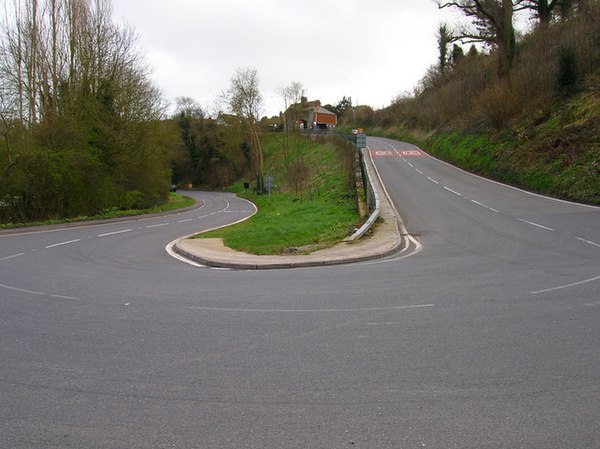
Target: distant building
(310,115)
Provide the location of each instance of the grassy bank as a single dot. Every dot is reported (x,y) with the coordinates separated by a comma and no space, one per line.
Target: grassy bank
(556,154)
(296,219)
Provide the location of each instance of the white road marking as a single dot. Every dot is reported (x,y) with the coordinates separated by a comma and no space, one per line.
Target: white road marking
(366,309)
(22,290)
(487,207)
(12,257)
(63,297)
(411,164)
(158,225)
(536,224)
(183,221)
(512,187)
(432,180)
(62,243)
(123,231)
(171,252)
(560,287)
(36,293)
(452,191)
(582,240)
(593,304)
(419,171)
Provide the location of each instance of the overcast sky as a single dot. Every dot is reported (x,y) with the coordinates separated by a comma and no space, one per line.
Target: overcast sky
(368,50)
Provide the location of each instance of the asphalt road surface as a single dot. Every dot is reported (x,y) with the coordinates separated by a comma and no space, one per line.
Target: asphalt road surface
(488,337)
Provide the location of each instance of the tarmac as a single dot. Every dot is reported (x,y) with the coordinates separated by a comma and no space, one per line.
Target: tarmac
(385,238)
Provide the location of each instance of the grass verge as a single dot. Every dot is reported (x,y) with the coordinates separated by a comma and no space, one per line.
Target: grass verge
(298,221)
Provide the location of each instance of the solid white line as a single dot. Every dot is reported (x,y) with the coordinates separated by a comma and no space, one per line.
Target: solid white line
(33,292)
(171,252)
(123,231)
(12,257)
(432,180)
(453,191)
(366,309)
(536,224)
(62,243)
(158,225)
(588,241)
(483,205)
(63,297)
(21,290)
(560,287)
(506,185)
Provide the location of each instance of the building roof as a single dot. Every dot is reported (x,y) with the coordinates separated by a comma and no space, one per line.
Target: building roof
(322,110)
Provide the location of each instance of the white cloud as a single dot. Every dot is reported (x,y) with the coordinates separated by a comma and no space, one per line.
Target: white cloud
(370,51)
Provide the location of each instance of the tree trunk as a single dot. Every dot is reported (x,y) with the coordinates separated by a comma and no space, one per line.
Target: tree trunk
(505,40)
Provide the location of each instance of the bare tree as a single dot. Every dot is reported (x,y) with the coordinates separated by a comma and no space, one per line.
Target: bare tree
(292,96)
(543,9)
(244,100)
(73,82)
(492,25)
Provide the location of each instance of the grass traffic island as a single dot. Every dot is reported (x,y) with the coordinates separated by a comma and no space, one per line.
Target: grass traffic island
(293,220)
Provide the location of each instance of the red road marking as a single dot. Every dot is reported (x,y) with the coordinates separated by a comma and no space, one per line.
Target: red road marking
(382,153)
(411,153)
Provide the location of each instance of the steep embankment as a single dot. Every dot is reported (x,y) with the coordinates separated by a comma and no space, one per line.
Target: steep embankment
(557,153)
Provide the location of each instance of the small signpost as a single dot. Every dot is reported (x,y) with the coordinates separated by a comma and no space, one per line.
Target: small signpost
(269,184)
(361,140)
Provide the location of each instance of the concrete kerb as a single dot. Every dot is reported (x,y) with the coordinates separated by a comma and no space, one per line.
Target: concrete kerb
(385,240)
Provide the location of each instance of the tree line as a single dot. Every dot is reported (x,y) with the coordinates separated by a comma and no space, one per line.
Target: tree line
(83,130)
(489,73)
(79,119)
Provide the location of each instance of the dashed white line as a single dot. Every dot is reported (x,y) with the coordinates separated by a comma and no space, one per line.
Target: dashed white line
(537,225)
(452,191)
(432,180)
(158,225)
(12,257)
(560,287)
(486,206)
(411,164)
(36,293)
(62,243)
(183,221)
(123,231)
(360,309)
(419,171)
(63,297)
(578,238)
(22,290)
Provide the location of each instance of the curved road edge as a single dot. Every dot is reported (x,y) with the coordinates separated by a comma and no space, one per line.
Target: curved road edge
(387,238)
(199,204)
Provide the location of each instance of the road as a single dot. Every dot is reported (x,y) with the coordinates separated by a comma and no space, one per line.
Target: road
(489,337)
